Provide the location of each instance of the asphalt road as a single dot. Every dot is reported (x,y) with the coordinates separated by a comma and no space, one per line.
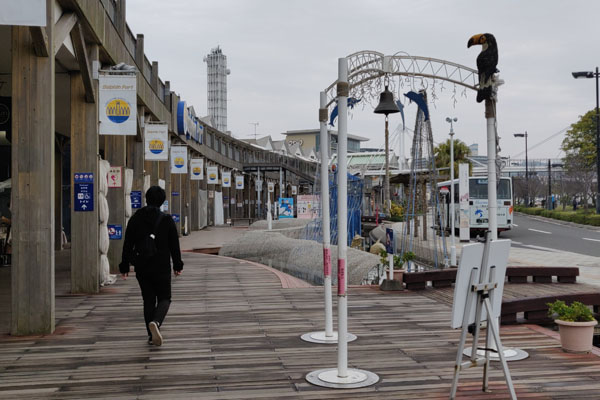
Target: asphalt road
(543,234)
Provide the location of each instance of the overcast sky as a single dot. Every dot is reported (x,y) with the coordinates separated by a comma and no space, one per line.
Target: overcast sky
(282,53)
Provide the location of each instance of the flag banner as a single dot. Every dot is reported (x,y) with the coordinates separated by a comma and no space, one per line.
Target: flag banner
(179,160)
(156,142)
(212,174)
(197,168)
(239,182)
(117,105)
(226,177)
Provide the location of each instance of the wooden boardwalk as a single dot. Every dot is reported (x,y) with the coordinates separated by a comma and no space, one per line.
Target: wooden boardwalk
(233,332)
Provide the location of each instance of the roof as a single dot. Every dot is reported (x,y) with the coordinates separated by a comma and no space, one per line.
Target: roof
(317,131)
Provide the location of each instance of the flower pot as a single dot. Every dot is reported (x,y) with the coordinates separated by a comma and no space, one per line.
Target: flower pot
(576,337)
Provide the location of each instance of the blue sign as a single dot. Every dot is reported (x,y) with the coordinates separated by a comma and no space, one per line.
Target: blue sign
(389,240)
(115,232)
(136,199)
(175,217)
(84,191)
(174,193)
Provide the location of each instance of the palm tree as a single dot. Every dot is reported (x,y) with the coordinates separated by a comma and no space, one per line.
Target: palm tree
(442,156)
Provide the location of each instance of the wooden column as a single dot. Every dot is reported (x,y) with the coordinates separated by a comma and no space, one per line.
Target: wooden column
(138,157)
(85,256)
(58,197)
(175,199)
(32,183)
(194,205)
(115,152)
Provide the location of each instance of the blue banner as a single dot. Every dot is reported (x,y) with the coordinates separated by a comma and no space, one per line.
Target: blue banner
(136,199)
(84,191)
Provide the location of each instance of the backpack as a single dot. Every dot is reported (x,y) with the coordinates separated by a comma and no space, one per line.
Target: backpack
(148,249)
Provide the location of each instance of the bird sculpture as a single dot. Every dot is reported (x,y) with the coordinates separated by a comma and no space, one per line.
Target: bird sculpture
(486,64)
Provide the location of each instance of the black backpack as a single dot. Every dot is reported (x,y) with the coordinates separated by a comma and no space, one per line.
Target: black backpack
(148,247)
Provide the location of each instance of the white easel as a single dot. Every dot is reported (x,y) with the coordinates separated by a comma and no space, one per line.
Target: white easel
(481,273)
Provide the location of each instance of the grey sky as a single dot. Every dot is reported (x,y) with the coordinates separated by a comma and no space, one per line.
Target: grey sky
(283,53)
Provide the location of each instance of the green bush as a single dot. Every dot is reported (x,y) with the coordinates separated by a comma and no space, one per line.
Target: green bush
(579,217)
(576,312)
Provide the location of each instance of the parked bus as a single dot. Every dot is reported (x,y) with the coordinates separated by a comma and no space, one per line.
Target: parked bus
(478,204)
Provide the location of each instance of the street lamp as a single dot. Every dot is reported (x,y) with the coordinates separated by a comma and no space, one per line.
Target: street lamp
(526,166)
(452,244)
(590,74)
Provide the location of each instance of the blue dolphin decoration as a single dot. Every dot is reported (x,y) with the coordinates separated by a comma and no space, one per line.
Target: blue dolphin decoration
(401,107)
(351,103)
(420,100)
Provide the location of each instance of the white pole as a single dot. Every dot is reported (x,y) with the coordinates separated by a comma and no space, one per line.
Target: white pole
(342,219)
(325,215)
(490,116)
(452,211)
(269,217)
(391,265)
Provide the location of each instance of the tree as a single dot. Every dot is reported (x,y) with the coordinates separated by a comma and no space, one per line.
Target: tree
(442,156)
(579,146)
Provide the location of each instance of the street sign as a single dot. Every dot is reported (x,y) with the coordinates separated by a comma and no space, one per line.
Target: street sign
(115,232)
(84,191)
(136,199)
(444,190)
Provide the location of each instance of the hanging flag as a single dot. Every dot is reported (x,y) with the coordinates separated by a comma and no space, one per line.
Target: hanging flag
(156,142)
(117,101)
(226,176)
(197,168)
(179,160)
(212,174)
(239,182)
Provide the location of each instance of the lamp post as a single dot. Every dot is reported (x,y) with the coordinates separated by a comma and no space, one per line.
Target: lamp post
(526,166)
(591,74)
(452,244)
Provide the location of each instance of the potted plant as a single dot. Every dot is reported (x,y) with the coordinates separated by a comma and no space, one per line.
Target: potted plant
(575,325)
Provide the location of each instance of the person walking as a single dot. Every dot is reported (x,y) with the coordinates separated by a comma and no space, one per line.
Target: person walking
(151,241)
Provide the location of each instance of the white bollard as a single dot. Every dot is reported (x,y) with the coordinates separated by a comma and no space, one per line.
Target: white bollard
(391,265)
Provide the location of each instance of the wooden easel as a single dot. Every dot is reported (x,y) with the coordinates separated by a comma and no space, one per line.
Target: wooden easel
(482,290)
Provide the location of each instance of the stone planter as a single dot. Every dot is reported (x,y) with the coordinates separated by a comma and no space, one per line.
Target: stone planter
(576,337)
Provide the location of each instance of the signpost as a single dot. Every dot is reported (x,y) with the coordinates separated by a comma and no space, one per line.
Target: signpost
(84,191)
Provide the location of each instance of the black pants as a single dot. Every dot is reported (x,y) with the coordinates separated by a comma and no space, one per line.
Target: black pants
(156,292)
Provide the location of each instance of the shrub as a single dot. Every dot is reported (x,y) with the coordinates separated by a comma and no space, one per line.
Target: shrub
(576,312)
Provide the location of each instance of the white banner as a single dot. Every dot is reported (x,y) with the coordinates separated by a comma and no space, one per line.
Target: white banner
(197,168)
(23,12)
(239,182)
(117,105)
(294,190)
(463,198)
(212,174)
(226,176)
(271,187)
(179,160)
(156,142)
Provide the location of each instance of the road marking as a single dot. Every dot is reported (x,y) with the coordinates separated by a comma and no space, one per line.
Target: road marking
(535,230)
(595,240)
(516,225)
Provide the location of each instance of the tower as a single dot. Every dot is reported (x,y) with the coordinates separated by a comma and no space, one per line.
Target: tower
(217,73)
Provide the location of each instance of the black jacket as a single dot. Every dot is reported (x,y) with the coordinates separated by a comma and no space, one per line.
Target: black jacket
(139,227)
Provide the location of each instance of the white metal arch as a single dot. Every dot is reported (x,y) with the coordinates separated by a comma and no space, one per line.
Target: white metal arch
(366,66)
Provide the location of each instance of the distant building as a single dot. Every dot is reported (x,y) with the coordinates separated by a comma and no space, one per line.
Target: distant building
(474,149)
(309,139)
(217,72)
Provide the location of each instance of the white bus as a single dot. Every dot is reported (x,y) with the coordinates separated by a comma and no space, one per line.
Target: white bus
(478,204)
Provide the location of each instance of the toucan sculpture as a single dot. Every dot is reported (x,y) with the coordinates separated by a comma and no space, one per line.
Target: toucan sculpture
(486,63)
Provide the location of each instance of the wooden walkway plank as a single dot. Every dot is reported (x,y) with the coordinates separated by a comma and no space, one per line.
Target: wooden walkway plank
(233,332)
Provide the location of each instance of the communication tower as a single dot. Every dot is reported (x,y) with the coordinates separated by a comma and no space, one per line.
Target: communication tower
(217,73)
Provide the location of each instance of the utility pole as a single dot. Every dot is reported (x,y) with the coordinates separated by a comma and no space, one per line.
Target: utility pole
(255,125)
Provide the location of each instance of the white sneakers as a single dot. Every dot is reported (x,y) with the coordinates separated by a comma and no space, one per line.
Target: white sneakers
(157,339)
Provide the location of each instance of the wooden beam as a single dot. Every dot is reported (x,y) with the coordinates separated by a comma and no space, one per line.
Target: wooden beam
(62,29)
(40,40)
(84,64)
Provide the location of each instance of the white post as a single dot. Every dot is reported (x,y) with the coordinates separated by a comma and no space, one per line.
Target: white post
(391,265)
(269,217)
(324,136)
(342,219)
(490,116)
(452,211)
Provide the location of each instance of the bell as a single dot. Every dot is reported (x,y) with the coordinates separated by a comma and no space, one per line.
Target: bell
(386,103)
